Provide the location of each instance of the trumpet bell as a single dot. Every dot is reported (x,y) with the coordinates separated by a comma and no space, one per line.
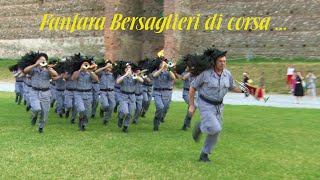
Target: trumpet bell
(134,76)
(43,63)
(170,64)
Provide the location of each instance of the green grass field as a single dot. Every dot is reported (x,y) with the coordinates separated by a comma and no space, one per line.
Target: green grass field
(256,143)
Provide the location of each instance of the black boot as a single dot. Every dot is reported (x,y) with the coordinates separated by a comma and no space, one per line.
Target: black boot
(24,102)
(72,121)
(28,108)
(101,113)
(19,100)
(40,130)
(115,108)
(105,122)
(120,121)
(143,114)
(92,116)
(33,120)
(184,127)
(17,96)
(125,129)
(60,115)
(67,114)
(196,132)
(52,103)
(204,157)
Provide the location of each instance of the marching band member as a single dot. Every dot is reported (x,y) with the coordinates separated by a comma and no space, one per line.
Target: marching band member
(139,96)
(183,69)
(163,80)
(147,87)
(59,88)
(83,93)
(95,92)
(40,80)
(127,99)
(107,95)
(212,82)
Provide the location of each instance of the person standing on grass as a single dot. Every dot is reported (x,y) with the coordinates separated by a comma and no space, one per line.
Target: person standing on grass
(40,93)
(212,82)
(311,84)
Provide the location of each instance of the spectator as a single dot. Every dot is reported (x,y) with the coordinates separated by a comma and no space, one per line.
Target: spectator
(298,89)
(311,84)
(290,72)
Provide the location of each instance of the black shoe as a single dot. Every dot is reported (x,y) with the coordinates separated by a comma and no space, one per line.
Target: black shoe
(184,127)
(83,127)
(92,116)
(204,158)
(60,115)
(162,120)
(34,120)
(143,114)
(24,102)
(115,109)
(105,122)
(134,122)
(196,132)
(40,130)
(63,111)
(72,121)
(155,128)
(52,103)
(28,108)
(125,129)
(17,98)
(120,122)
(101,113)
(67,114)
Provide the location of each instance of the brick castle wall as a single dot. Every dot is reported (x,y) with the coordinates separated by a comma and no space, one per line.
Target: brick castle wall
(20,21)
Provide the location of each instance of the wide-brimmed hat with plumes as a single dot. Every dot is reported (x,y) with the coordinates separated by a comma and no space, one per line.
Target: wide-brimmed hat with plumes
(13,68)
(73,63)
(214,53)
(119,67)
(198,64)
(59,66)
(30,58)
(154,64)
(183,63)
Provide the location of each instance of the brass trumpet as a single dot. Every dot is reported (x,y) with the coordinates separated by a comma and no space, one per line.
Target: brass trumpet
(86,65)
(141,73)
(43,63)
(244,88)
(170,64)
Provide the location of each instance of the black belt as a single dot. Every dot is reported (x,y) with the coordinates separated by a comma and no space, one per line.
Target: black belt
(186,89)
(40,89)
(117,87)
(147,85)
(28,85)
(95,82)
(18,81)
(162,89)
(83,90)
(70,89)
(108,89)
(210,101)
(60,89)
(125,92)
(138,94)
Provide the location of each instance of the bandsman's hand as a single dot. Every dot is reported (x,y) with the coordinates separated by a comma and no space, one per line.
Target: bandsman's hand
(191,110)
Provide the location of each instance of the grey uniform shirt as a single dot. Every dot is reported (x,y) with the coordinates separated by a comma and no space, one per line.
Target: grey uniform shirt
(70,84)
(139,88)
(60,84)
(40,79)
(162,81)
(84,81)
(186,83)
(107,80)
(128,84)
(212,86)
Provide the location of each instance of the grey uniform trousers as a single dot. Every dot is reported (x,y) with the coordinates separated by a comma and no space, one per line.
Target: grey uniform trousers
(107,103)
(69,103)
(82,102)
(126,109)
(138,107)
(60,101)
(162,106)
(211,123)
(40,103)
(147,97)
